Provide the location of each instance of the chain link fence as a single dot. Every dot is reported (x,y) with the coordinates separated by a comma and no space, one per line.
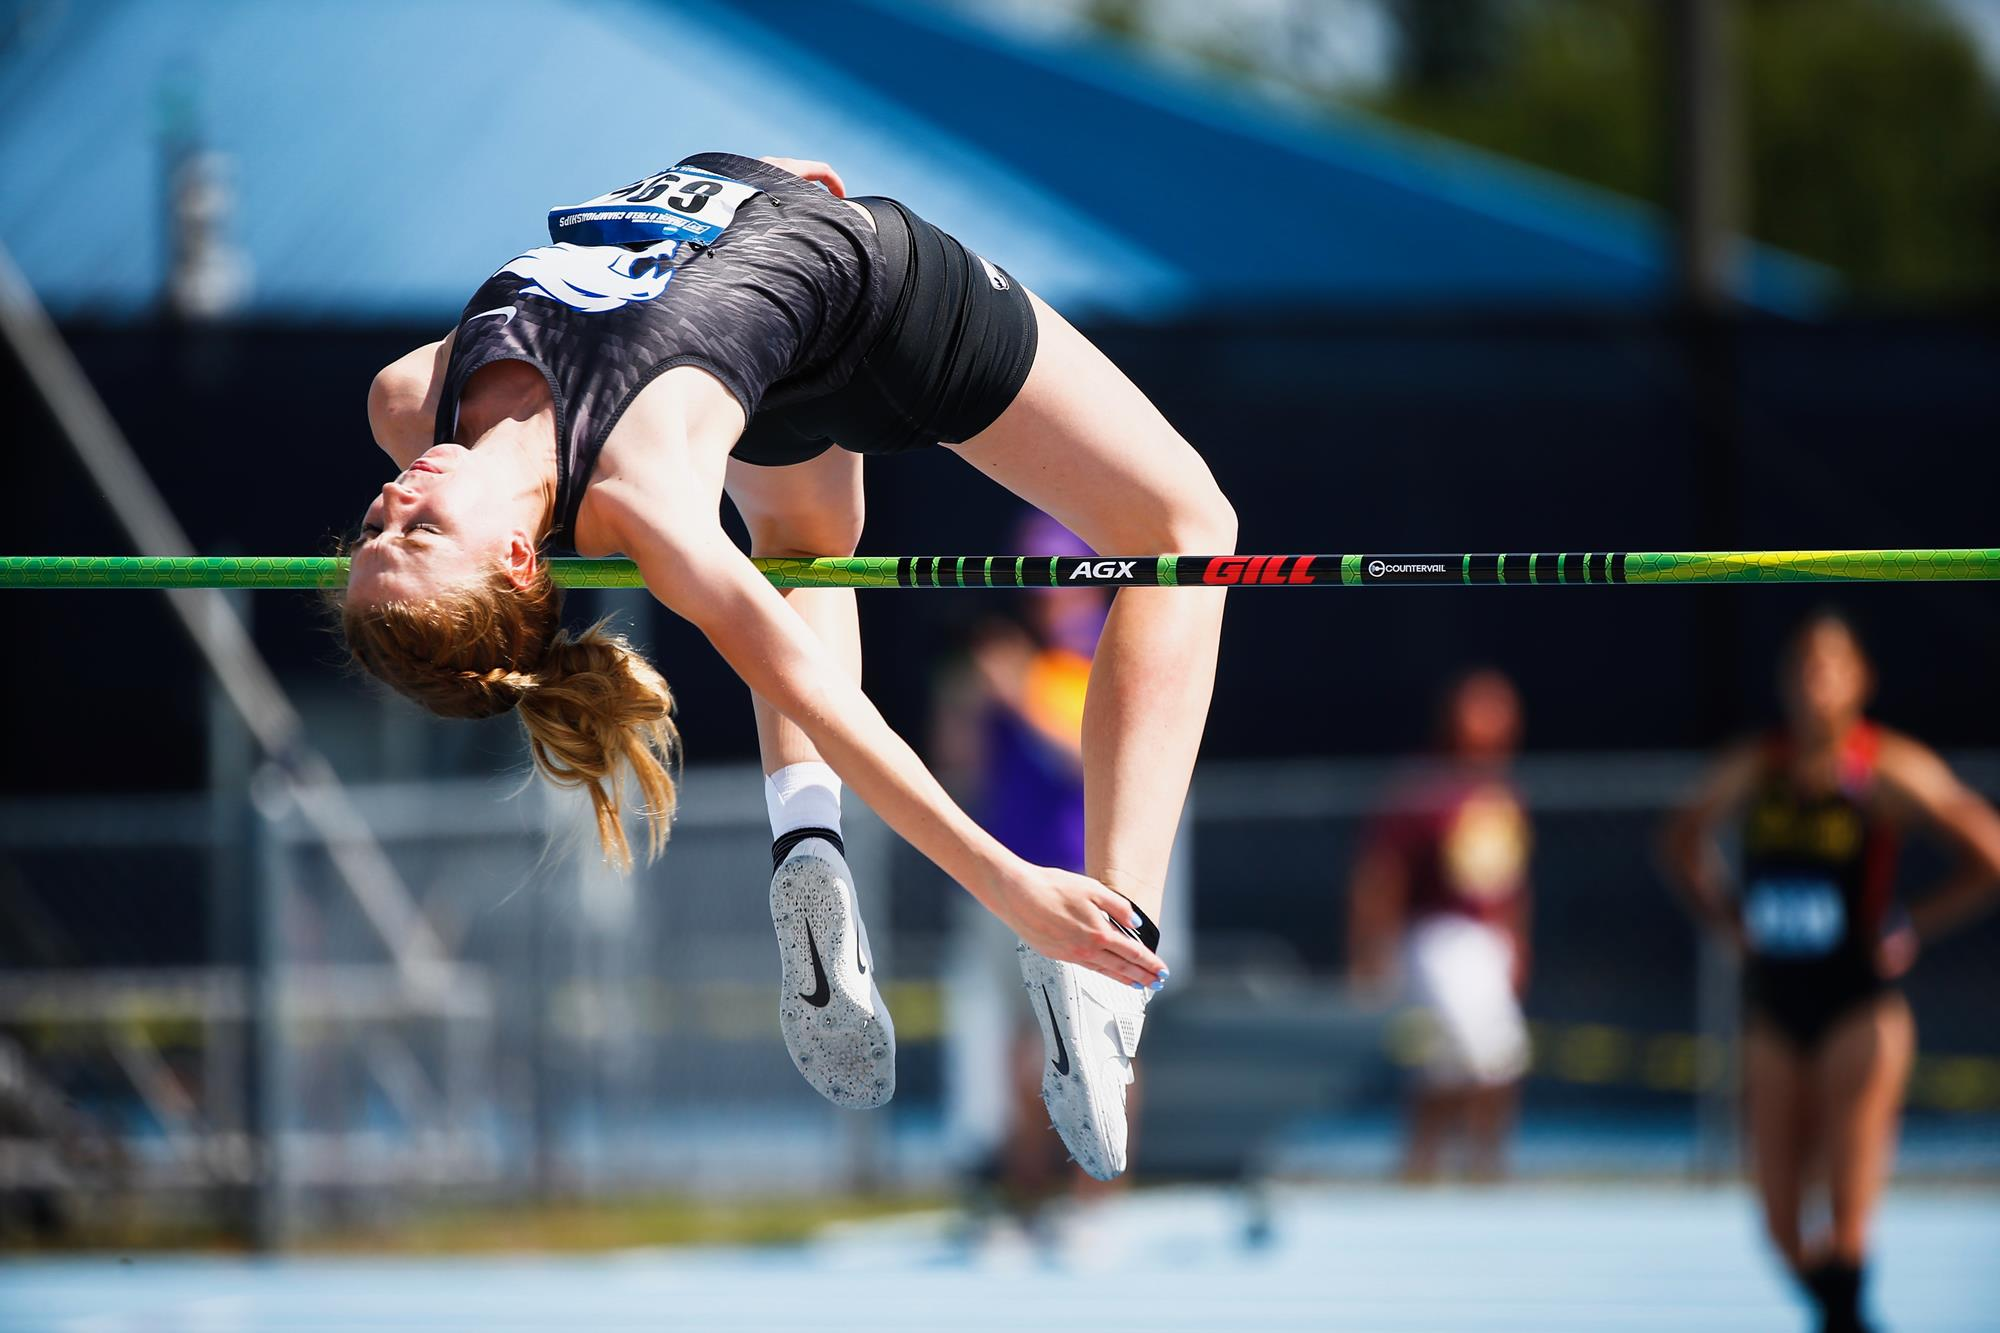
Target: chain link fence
(200,1026)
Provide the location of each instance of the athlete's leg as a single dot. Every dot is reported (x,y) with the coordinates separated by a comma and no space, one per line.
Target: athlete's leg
(830,1009)
(1431,1117)
(1489,1126)
(808,509)
(1082,444)
(1859,1076)
(1778,1103)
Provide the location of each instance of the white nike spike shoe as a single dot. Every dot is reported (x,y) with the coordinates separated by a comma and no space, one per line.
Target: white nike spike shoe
(835,1024)
(1090,1033)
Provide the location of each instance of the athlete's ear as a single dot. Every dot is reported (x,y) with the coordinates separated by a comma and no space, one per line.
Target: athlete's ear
(522,561)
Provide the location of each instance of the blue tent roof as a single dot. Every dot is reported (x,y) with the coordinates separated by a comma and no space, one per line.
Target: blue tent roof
(389,155)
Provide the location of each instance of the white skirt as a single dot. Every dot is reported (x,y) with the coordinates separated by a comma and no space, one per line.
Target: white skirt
(1460,974)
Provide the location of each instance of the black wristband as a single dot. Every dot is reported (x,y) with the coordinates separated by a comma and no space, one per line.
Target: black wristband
(1148,932)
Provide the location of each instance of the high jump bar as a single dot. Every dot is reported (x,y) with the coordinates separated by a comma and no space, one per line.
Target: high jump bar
(1512,569)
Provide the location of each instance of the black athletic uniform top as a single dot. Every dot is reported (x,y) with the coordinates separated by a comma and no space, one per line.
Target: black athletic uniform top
(1818,873)
(824,328)
(778,306)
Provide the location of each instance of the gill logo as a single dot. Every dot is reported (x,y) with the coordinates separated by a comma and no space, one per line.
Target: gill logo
(1260,569)
(594,278)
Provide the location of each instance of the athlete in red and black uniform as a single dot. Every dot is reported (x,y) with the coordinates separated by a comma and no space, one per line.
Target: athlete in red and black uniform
(1441,893)
(1828,1039)
(1819,866)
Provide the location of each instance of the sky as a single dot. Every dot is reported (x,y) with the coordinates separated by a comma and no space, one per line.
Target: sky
(1982,19)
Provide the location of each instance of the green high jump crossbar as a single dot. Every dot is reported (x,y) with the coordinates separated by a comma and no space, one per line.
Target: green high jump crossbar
(1510,569)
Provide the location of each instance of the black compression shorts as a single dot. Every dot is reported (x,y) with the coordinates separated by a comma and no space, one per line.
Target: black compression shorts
(959,340)
(1803,1001)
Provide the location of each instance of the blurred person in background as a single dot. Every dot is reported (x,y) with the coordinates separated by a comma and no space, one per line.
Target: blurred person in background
(1010,731)
(1440,901)
(1808,905)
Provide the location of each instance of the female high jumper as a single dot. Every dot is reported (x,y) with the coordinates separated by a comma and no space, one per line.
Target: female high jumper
(716,328)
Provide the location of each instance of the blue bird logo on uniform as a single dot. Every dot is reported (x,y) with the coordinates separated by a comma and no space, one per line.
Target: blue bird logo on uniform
(594,278)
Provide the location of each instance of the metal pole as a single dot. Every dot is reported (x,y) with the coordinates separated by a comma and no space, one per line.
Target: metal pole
(1707,175)
(1706,195)
(1718,1086)
(267,1083)
(1707,190)
(217,633)
(229,1055)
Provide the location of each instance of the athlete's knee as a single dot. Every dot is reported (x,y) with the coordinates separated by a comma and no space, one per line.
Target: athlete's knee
(1204,524)
(1192,519)
(1221,518)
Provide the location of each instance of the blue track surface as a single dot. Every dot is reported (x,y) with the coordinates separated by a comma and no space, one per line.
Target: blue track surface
(1525,1259)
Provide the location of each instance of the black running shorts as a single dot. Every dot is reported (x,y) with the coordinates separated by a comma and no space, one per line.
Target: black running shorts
(957,347)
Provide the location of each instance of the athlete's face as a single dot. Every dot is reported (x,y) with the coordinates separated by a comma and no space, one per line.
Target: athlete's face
(1830,678)
(433,528)
(1485,717)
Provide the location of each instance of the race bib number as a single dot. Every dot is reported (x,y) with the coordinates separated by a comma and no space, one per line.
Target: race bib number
(678,205)
(1794,918)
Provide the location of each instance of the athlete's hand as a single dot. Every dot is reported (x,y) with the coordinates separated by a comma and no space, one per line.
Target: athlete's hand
(819,173)
(1065,917)
(1897,952)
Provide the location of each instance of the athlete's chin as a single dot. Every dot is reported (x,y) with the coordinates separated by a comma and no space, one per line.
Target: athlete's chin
(443,457)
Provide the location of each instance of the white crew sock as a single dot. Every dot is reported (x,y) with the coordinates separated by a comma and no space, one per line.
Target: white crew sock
(802,796)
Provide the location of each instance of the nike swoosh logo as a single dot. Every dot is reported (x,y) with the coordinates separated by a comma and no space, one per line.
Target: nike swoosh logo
(507,310)
(823,992)
(859,961)
(1061,1062)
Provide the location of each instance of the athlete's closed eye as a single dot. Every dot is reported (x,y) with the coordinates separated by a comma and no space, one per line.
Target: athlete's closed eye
(369,531)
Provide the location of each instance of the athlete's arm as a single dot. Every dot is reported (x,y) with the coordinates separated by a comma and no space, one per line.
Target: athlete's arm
(664,523)
(1924,785)
(1693,857)
(1520,928)
(1377,893)
(402,401)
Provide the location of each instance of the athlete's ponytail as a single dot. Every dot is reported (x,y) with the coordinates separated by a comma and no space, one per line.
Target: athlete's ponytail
(595,708)
(591,704)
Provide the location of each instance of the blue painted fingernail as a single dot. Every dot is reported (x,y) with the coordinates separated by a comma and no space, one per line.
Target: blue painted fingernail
(1137,986)
(1164,974)
(1136,921)
(1158,985)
